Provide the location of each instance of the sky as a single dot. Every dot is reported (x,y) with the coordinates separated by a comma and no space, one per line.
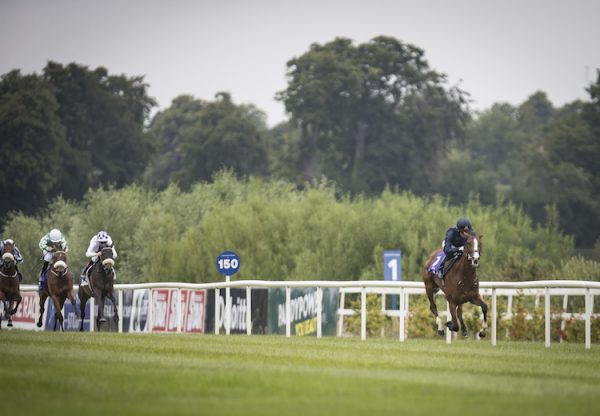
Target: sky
(497,51)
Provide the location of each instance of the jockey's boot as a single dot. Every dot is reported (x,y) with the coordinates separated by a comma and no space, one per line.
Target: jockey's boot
(42,284)
(440,276)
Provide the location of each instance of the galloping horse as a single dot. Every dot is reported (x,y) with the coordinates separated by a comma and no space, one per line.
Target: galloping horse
(102,278)
(60,287)
(9,282)
(460,285)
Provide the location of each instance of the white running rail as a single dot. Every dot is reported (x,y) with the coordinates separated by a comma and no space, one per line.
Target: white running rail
(545,288)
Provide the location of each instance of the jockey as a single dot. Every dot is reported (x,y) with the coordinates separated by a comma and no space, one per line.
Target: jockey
(454,243)
(51,242)
(97,243)
(17,253)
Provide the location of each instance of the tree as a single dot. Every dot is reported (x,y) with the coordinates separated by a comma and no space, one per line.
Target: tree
(31,141)
(196,139)
(370,115)
(104,119)
(167,129)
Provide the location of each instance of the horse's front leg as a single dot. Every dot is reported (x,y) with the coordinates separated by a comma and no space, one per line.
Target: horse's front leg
(43,297)
(71,296)
(432,306)
(481,303)
(83,298)
(453,323)
(19,299)
(463,327)
(111,296)
(99,297)
(58,316)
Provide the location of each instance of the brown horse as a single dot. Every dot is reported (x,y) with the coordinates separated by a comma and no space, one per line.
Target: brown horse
(102,278)
(460,285)
(60,287)
(9,282)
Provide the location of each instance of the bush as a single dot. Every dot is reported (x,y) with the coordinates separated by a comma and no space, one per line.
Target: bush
(375,319)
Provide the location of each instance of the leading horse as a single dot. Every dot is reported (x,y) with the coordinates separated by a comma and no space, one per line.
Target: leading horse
(460,285)
(60,287)
(10,292)
(102,276)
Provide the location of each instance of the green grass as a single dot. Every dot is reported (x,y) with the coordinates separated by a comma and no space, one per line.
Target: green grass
(102,373)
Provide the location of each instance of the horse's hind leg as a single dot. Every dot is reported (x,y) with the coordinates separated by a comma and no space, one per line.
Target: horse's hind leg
(432,306)
(463,327)
(481,303)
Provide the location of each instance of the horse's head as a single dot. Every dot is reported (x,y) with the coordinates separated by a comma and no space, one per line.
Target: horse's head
(106,257)
(59,262)
(473,249)
(8,257)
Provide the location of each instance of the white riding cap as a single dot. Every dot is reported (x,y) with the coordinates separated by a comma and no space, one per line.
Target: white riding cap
(55,236)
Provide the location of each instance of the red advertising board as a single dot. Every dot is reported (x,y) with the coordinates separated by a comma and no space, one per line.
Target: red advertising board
(27,311)
(193,313)
(165,310)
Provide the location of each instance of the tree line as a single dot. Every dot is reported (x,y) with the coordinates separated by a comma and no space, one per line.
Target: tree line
(368,117)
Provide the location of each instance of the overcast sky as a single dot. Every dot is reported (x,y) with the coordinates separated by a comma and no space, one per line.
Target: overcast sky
(500,50)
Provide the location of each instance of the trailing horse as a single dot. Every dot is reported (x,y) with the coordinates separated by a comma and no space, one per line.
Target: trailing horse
(10,292)
(102,276)
(60,287)
(460,285)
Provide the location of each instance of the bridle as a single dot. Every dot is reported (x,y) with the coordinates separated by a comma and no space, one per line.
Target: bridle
(107,262)
(8,258)
(473,255)
(59,267)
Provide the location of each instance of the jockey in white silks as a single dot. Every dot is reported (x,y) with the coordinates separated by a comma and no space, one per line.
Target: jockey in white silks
(97,243)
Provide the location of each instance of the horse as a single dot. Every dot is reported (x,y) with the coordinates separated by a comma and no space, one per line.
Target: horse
(460,285)
(60,287)
(10,292)
(102,276)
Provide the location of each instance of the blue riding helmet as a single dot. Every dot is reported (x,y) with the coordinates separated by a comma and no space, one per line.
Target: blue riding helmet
(463,223)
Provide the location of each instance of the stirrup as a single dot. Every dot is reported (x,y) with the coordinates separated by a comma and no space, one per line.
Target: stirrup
(440,277)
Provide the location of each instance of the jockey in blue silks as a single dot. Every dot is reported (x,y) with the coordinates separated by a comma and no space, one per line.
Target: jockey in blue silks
(17,254)
(453,245)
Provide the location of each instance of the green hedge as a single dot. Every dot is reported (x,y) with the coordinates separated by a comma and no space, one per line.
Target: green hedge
(282,233)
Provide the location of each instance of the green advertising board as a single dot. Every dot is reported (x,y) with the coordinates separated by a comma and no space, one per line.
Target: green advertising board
(303,311)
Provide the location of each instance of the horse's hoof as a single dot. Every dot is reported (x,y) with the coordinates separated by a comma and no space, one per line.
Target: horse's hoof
(9,324)
(482,334)
(452,327)
(39,324)
(441,333)
(465,334)
(102,320)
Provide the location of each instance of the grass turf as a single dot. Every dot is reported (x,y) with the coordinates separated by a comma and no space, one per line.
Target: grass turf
(151,374)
